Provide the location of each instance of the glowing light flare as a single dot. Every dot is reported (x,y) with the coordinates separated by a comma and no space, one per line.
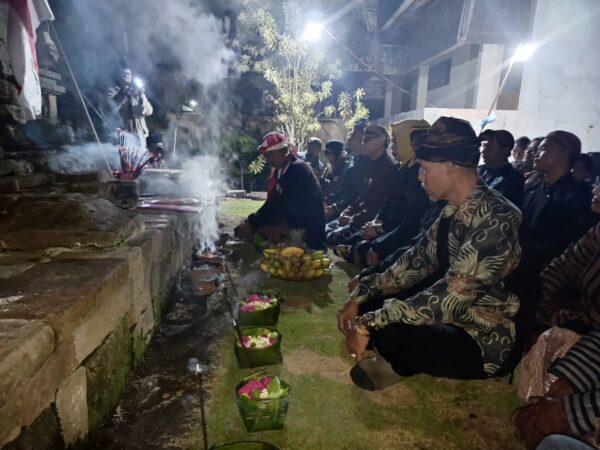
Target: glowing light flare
(193,103)
(138,82)
(523,53)
(312,32)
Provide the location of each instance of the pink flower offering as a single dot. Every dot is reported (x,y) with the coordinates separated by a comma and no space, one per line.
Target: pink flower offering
(257,302)
(260,341)
(262,389)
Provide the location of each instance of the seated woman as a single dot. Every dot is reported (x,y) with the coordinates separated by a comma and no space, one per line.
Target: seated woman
(452,317)
(569,308)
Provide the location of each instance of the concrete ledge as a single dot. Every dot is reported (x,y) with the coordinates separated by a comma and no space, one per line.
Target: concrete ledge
(74,323)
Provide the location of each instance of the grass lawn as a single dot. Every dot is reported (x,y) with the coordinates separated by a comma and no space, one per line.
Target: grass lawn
(326,410)
(240,207)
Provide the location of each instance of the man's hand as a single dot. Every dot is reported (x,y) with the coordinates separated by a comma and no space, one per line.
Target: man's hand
(275,234)
(329,212)
(243,230)
(560,388)
(344,220)
(369,230)
(372,258)
(356,344)
(128,90)
(346,316)
(353,283)
(546,416)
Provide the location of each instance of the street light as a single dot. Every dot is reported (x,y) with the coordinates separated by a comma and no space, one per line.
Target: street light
(522,53)
(312,32)
(189,107)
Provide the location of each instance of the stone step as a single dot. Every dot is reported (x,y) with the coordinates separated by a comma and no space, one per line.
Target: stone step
(235,193)
(24,346)
(83,300)
(97,309)
(82,177)
(15,167)
(70,220)
(16,183)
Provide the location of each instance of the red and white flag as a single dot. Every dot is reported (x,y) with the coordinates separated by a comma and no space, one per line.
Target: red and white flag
(24,18)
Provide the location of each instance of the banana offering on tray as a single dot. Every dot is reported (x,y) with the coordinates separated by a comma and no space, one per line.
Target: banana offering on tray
(295,263)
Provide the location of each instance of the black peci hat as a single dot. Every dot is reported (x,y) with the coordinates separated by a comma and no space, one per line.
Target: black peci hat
(155,137)
(334,147)
(448,140)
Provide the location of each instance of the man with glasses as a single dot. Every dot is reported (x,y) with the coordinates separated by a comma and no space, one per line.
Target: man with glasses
(381,175)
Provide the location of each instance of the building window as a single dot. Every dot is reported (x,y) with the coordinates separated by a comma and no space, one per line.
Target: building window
(439,75)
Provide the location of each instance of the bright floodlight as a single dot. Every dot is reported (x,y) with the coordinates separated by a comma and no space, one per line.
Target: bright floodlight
(193,103)
(313,31)
(523,52)
(138,82)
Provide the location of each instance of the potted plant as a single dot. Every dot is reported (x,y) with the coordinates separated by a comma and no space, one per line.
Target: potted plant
(262,402)
(261,347)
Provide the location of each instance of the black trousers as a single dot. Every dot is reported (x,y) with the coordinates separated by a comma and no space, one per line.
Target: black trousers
(437,350)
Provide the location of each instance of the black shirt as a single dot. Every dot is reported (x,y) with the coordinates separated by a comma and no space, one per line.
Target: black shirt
(354,182)
(298,201)
(506,179)
(553,217)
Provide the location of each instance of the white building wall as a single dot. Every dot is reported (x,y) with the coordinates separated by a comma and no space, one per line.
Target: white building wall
(460,92)
(509,120)
(561,82)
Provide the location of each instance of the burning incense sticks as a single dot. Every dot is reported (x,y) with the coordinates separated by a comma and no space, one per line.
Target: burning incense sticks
(132,159)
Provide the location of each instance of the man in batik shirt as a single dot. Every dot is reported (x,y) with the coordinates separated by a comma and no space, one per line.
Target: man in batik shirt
(447,311)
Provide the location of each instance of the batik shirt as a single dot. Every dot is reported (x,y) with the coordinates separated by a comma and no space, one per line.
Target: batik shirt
(483,247)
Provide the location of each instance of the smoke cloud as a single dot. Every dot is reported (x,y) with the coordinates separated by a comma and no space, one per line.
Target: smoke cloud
(179,48)
(83,158)
(205,178)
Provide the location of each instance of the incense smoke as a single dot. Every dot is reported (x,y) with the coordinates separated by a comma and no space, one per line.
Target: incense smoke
(180,51)
(83,158)
(205,178)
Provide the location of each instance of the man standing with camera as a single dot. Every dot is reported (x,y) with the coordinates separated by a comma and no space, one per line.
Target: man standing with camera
(131,103)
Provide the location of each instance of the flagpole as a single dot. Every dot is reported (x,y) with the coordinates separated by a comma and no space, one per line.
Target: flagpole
(510,66)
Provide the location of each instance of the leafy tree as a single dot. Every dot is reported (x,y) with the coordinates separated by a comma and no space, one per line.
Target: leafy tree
(239,149)
(350,108)
(299,72)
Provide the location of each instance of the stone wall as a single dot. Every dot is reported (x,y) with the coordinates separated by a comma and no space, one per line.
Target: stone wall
(74,323)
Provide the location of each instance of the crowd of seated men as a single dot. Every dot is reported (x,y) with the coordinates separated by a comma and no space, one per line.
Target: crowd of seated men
(466,270)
